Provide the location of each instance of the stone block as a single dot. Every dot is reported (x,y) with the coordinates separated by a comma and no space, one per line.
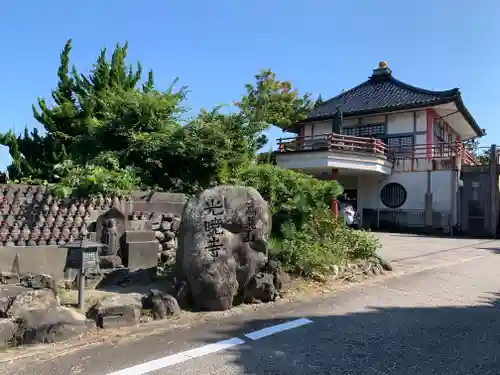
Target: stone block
(139,225)
(116,311)
(140,236)
(141,255)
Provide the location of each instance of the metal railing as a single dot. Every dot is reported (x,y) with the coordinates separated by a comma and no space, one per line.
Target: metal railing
(376,147)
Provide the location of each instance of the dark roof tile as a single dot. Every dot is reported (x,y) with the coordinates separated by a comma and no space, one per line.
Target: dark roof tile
(381,92)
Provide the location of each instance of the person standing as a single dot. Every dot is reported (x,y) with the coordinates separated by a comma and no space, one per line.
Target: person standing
(349,216)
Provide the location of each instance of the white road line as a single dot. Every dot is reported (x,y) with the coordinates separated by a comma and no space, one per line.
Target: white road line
(184,356)
(255,335)
(174,359)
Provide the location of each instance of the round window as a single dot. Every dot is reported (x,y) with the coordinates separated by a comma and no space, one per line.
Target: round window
(393,195)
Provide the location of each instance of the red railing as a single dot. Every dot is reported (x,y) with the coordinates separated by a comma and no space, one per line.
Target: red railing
(377,147)
(333,142)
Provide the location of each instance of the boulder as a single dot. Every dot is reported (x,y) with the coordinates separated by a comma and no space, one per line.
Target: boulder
(159,235)
(110,262)
(7,295)
(31,299)
(9,277)
(169,235)
(261,289)
(176,224)
(116,311)
(222,244)
(161,304)
(7,331)
(281,279)
(167,257)
(50,325)
(39,281)
(168,245)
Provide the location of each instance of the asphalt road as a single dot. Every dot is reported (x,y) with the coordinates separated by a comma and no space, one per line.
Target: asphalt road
(443,319)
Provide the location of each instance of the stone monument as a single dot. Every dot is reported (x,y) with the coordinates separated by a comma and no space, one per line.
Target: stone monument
(222,244)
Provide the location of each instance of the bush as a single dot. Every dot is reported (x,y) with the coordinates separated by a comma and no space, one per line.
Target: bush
(292,196)
(322,242)
(92,180)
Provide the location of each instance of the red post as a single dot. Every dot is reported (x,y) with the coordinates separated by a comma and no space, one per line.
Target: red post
(335,172)
(335,208)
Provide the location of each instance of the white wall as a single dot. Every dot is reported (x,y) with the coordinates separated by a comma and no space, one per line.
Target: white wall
(368,191)
(397,123)
(323,127)
(400,123)
(415,184)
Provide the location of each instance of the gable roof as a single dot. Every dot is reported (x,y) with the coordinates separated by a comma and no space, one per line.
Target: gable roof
(382,93)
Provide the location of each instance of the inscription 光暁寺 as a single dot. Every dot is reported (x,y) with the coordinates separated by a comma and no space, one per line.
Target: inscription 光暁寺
(213,226)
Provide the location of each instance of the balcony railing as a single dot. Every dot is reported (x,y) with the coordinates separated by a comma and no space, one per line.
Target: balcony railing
(333,142)
(377,147)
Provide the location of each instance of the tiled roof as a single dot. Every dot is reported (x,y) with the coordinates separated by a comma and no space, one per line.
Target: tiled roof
(381,92)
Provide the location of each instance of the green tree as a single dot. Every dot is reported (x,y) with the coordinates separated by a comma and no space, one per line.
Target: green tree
(273,102)
(105,119)
(111,123)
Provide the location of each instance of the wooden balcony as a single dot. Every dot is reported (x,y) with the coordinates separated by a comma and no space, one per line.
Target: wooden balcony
(418,157)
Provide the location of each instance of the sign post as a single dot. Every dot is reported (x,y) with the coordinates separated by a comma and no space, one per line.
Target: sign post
(88,259)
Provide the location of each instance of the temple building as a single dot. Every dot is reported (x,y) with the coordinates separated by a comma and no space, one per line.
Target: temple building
(396,149)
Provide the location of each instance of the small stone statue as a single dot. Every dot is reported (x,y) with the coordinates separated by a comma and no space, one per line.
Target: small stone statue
(110,236)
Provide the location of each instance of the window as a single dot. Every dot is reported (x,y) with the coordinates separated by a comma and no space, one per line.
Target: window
(400,144)
(439,137)
(373,130)
(393,195)
(349,131)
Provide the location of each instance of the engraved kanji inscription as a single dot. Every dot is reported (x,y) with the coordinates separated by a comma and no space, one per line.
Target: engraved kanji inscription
(250,226)
(213,226)
(214,207)
(214,246)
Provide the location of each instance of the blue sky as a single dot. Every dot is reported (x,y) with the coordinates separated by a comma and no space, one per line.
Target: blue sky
(216,46)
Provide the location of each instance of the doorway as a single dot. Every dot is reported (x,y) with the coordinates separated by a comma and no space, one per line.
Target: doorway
(350,196)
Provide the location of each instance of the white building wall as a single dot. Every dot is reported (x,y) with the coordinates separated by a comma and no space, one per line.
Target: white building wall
(368,192)
(397,123)
(322,127)
(415,184)
(400,123)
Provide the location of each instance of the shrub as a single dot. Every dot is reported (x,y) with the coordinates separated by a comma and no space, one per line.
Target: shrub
(322,242)
(92,180)
(292,196)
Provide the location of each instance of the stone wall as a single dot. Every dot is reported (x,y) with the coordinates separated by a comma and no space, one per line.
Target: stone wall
(33,224)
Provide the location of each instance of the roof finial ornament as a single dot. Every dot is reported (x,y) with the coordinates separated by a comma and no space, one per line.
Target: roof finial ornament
(382,72)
